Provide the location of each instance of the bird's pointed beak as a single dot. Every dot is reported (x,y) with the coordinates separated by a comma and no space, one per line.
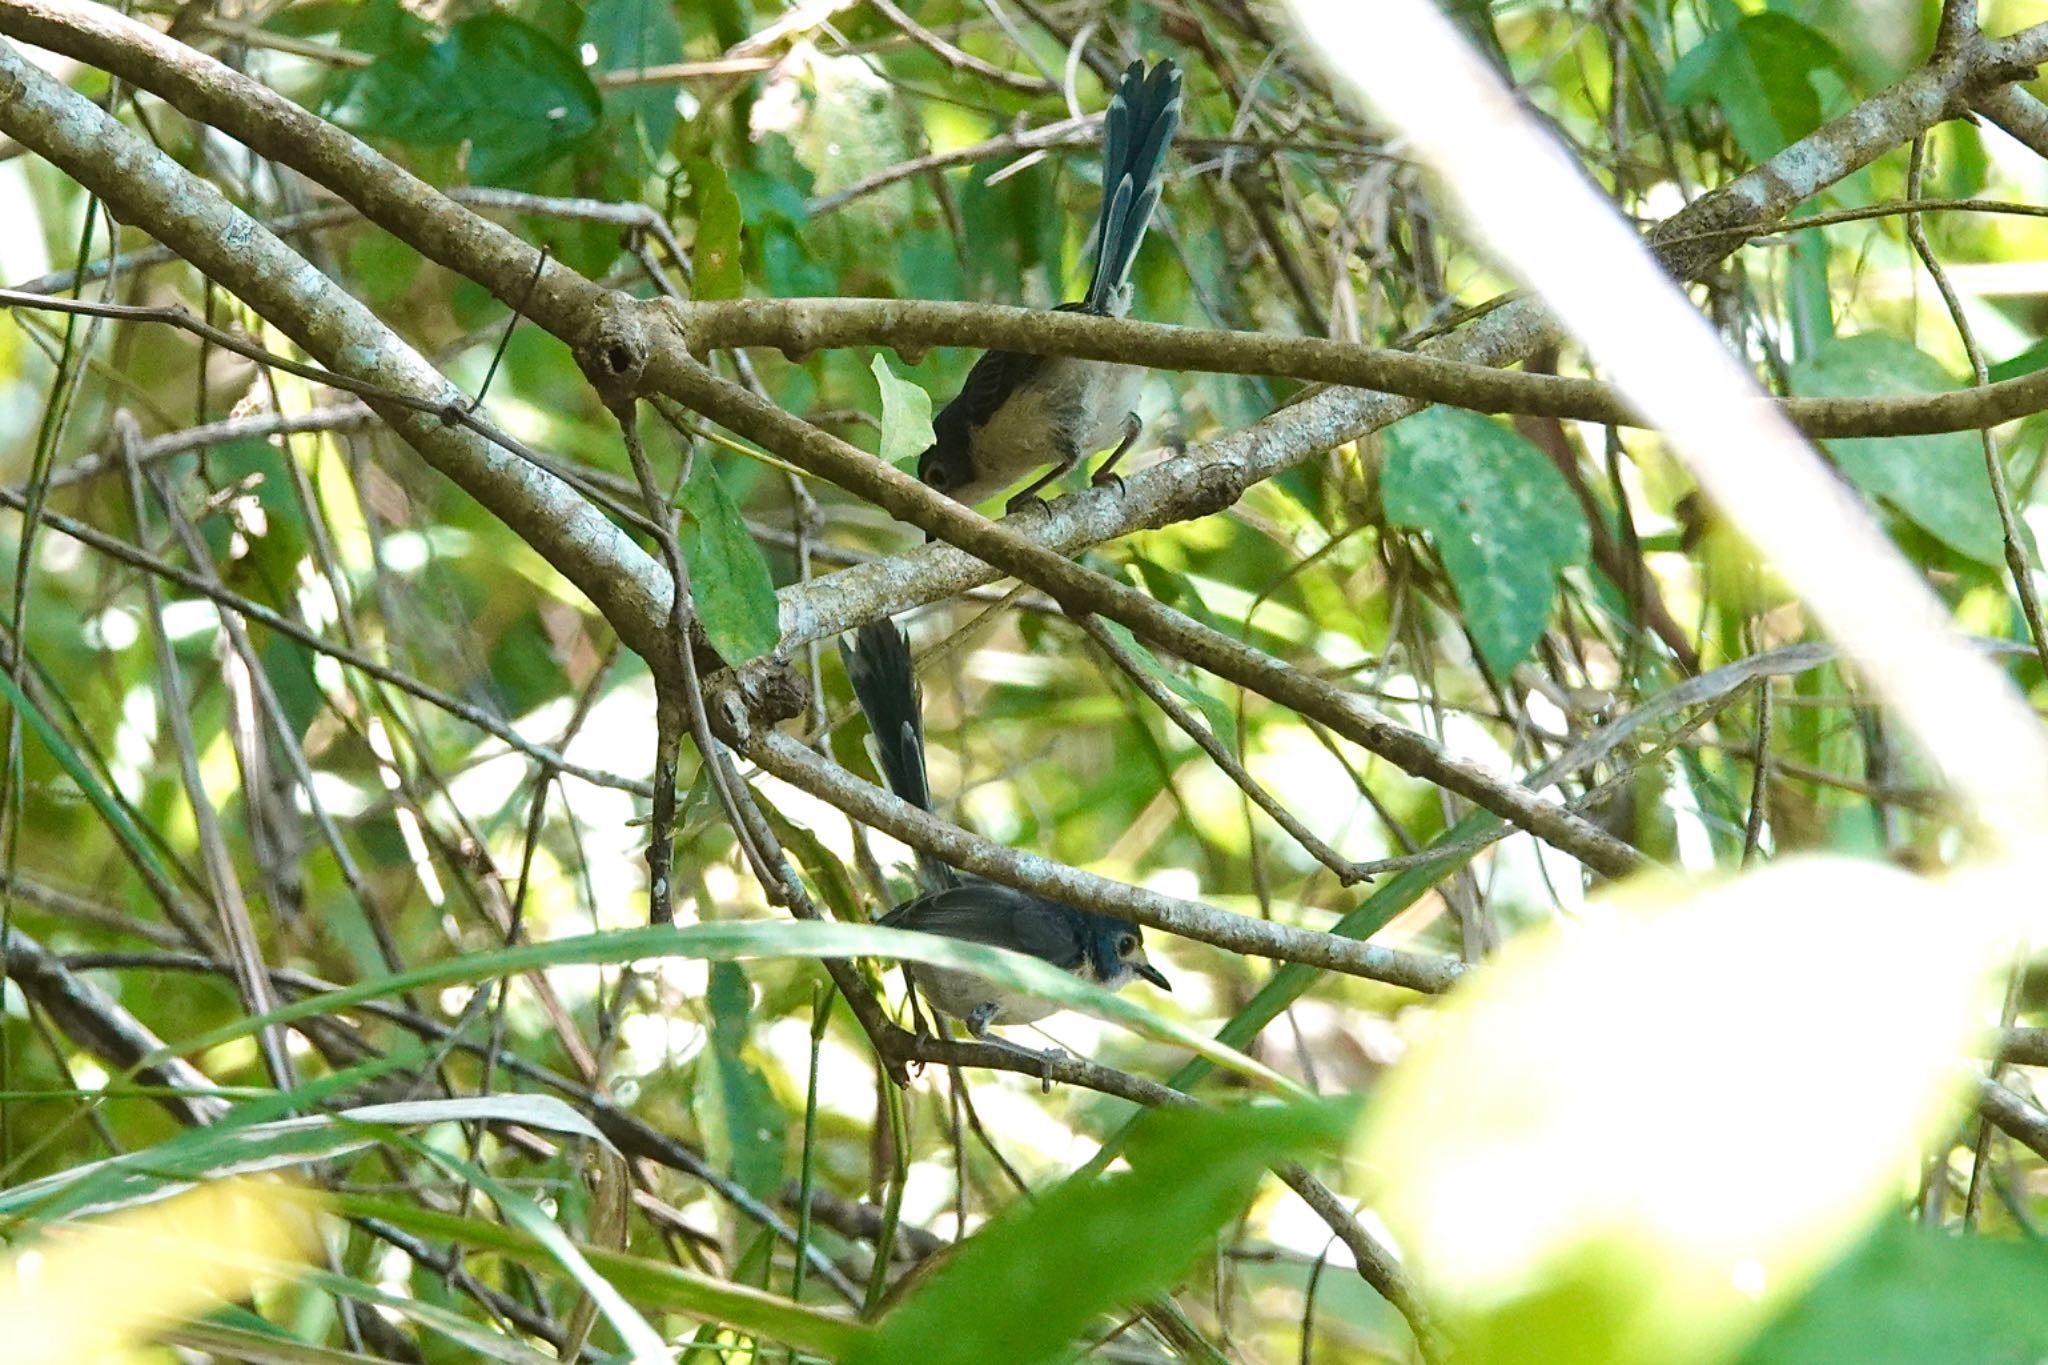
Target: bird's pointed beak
(1151,974)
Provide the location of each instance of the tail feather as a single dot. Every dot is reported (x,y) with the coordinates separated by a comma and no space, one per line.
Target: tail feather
(879,667)
(1140,124)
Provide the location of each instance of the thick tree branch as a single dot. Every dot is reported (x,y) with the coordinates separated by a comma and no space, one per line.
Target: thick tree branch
(1212,476)
(797,327)
(1079,590)
(801,767)
(142,185)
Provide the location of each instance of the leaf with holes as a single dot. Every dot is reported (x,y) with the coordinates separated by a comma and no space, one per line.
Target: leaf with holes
(1503,519)
(715,256)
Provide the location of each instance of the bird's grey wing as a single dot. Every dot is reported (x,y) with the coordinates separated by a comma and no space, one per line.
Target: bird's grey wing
(994,378)
(1001,916)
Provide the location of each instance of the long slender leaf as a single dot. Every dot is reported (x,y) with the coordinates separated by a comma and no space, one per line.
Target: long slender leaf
(741,940)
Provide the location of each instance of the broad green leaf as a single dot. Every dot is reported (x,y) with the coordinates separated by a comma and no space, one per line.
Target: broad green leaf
(1939,482)
(906,416)
(1222,723)
(1572,1190)
(715,256)
(1918,1296)
(1503,519)
(1032,1280)
(1761,73)
(737,1112)
(768,200)
(729,582)
(516,96)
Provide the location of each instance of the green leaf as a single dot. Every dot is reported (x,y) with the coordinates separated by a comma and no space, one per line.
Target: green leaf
(1939,482)
(737,1111)
(1760,72)
(1501,515)
(1916,1296)
(516,96)
(1033,1279)
(716,254)
(1222,722)
(906,416)
(729,580)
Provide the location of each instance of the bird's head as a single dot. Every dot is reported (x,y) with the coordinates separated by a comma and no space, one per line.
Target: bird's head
(1116,952)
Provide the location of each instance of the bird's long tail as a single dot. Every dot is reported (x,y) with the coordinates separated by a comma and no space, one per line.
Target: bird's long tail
(879,666)
(1140,123)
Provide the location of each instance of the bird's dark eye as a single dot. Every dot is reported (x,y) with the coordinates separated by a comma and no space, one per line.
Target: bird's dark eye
(1127,945)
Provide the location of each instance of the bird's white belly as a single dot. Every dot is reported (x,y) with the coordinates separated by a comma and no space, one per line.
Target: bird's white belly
(959,994)
(1068,409)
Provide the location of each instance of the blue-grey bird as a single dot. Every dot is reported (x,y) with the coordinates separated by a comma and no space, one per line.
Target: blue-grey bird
(1018,413)
(1093,946)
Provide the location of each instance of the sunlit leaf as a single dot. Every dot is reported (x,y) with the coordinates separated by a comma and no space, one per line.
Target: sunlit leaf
(1501,516)
(168,1261)
(906,416)
(653,1284)
(241,1144)
(643,1343)
(1622,1142)
(741,940)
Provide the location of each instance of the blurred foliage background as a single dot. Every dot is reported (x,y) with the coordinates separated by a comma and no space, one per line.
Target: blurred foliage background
(1509,587)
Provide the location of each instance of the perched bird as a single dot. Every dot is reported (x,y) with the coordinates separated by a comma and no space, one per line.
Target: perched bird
(1017,413)
(1094,947)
